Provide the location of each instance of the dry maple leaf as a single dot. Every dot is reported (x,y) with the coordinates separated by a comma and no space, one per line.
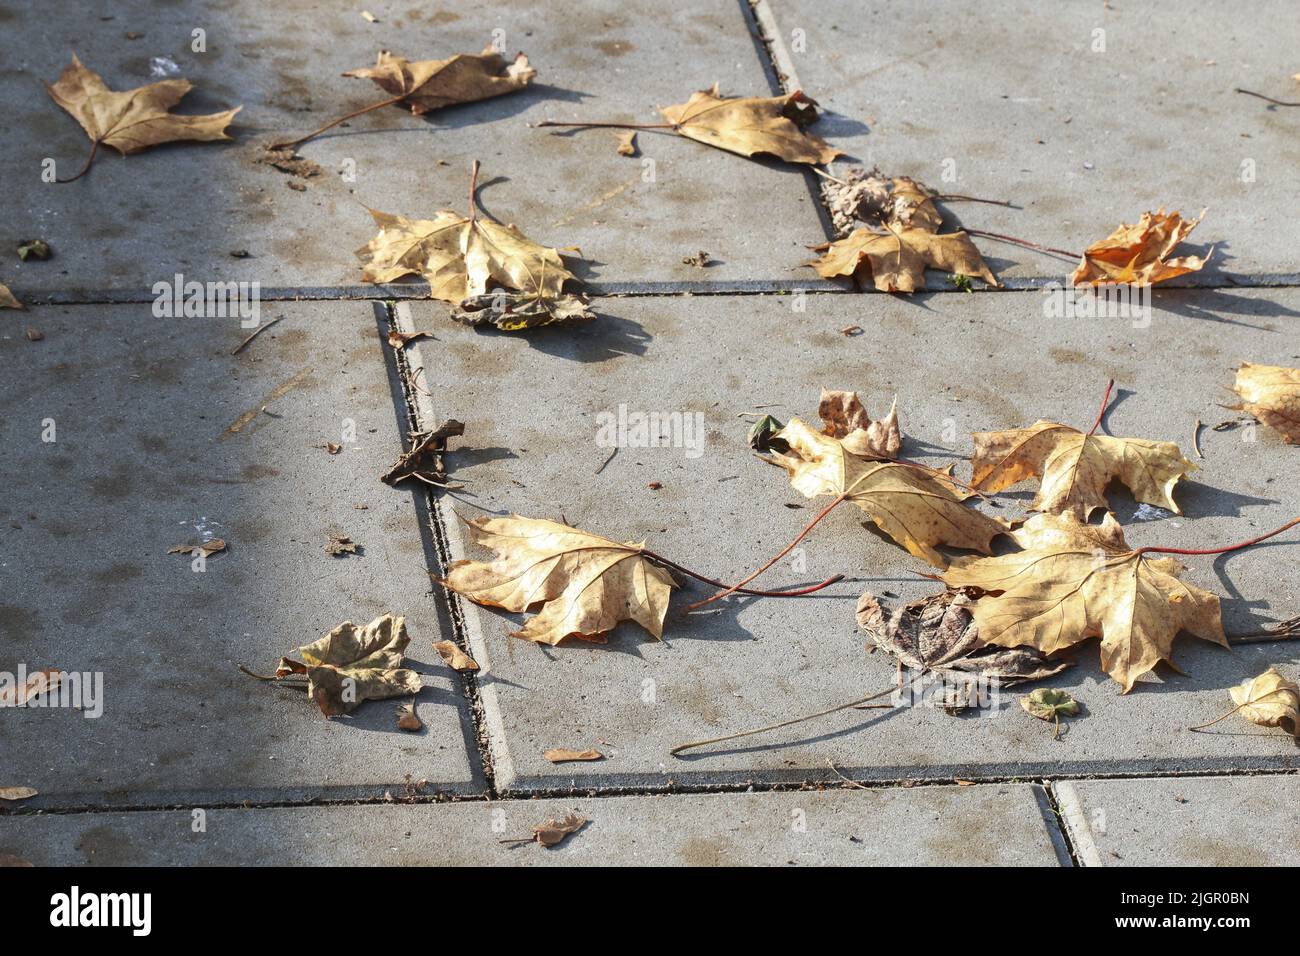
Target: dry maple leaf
(586,584)
(1269,700)
(750,126)
(1076,467)
(844,418)
(1271,394)
(1136,254)
(1074,581)
(906,502)
(454,657)
(901,239)
(132,120)
(351,664)
(938,634)
(565,755)
(426,85)
(7,299)
(460,256)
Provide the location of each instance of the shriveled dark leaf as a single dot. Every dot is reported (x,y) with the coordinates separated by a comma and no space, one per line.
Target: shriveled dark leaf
(424,460)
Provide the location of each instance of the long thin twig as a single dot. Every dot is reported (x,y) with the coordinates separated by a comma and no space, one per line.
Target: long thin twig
(1105,400)
(1230,548)
(255,333)
(798,592)
(596,125)
(1267,99)
(1282,631)
(958,197)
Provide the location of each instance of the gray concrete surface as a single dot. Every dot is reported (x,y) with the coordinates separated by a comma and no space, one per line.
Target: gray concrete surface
(1013,100)
(957,363)
(144,459)
(1183,821)
(923,826)
(186,207)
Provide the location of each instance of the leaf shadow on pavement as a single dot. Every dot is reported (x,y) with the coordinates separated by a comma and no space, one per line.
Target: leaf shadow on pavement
(1220,305)
(605,337)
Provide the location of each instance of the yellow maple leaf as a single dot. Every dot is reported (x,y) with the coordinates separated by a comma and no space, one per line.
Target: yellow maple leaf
(1076,467)
(750,126)
(1271,394)
(1074,581)
(1269,700)
(426,85)
(132,120)
(912,506)
(585,584)
(1137,254)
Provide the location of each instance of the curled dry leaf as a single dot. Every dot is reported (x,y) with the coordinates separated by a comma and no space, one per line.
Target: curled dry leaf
(352,664)
(408,719)
(424,459)
(565,755)
(16,693)
(844,418)
(1048,704)
(461,256)
(752,126)
(1136,254)
(205,548)
(1074,581)
(938,634)
(554,832)
(1269,700)
(8,300)
(627,143)
(857,194)
(909,504)
(1271,394)
(34,249)
(454,657)
(1076,468)
(133,120)
(340,544)
(901,239)
(17,793)
(426,85)
(400,340)
(585,584)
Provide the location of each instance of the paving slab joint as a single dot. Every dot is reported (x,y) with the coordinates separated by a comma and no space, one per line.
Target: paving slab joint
(449,608)
(1067,814)
(1056,831)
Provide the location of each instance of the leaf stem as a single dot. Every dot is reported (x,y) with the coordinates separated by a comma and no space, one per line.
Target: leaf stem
(1267,99)
(607,125)
(1232,547)
(1024,242)
(1105,400)
(811,589)
(784,723)
(1217,719)
(788,548)
(94,148)
(957,197)
(342,119)
(473,192)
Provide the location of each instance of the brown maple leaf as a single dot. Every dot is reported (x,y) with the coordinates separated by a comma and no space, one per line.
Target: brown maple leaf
(1271,394)
(461,256)
(352,664)
(752,126)
(584,584)
(1137,254)
(1074,581)
(131,120)
(425,85)
(1076,467)
(908,503)
(900,240)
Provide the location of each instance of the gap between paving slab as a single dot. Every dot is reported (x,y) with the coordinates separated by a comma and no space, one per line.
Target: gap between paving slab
(1003,824)
(527,449)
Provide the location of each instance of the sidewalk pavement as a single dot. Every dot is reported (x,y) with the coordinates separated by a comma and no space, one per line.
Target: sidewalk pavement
(162,436)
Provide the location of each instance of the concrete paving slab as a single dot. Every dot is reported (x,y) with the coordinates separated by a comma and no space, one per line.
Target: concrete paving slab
(534,407)
(160,436)
(1084,115)
(185,208)
(1182,821)
(924,826)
